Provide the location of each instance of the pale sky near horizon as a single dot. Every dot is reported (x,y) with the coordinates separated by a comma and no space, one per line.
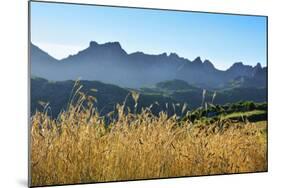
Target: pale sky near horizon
(64,29)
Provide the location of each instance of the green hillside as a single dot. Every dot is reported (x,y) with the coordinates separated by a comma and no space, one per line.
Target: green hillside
(173,97)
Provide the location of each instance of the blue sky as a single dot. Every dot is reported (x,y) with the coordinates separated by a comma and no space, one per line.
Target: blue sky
(64,29)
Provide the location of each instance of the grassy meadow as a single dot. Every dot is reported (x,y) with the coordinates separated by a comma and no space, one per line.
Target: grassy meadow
(81,146)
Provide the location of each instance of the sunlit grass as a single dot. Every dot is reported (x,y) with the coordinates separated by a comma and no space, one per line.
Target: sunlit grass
(78,146)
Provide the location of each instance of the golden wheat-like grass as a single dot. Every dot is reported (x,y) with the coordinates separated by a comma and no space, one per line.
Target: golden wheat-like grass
(78,147)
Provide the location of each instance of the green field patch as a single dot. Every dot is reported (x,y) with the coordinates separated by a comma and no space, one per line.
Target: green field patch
(252,116)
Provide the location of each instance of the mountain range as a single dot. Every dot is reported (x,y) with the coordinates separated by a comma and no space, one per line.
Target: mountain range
(110,63)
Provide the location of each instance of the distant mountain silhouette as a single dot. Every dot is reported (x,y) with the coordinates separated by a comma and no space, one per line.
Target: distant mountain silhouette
(257,79)
(110,63)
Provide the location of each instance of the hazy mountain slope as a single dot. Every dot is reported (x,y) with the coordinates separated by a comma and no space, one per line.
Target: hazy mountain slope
(42,64)
(258,79)
(111,64)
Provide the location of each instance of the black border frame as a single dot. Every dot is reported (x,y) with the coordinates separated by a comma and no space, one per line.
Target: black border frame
(132,7)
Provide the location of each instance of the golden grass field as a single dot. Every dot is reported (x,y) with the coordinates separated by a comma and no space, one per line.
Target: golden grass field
(77,147)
